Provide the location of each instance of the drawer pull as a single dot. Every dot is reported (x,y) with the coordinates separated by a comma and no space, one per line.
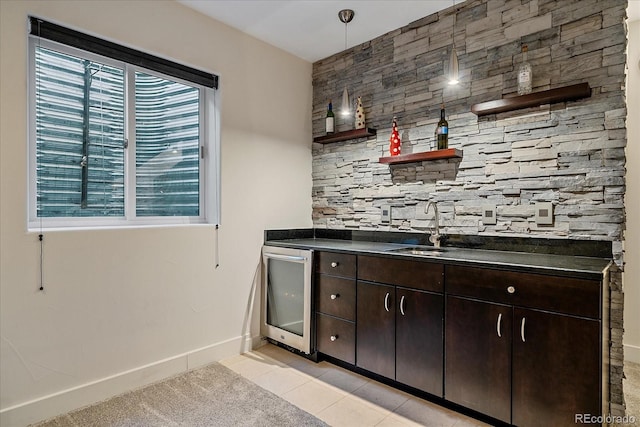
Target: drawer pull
(498,325)
(402,305)
(334,264)
(333,337)
(386,301)
(334,296)
(522,329)
(511,290)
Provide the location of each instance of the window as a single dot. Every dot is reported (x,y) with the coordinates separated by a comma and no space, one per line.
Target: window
(112,143)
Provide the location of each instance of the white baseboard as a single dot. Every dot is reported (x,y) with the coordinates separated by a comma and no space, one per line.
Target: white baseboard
(632,353)
(95,391)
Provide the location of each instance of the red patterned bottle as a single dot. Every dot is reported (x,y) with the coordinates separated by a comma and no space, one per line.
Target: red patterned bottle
(394,140)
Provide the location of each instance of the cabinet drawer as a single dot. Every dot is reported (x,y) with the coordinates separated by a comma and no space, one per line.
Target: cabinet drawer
(336,296)
(343,346)
(414,274)
(336,264)
(578,297)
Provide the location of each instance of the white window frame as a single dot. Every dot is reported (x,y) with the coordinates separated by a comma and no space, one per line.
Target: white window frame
(209,141)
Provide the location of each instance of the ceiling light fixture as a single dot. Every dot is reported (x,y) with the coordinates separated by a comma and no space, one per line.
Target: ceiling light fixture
(345,15)
(454,77)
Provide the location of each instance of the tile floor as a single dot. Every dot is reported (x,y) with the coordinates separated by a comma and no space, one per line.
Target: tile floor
(337,396)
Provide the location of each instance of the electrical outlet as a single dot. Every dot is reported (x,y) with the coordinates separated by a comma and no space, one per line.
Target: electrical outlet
(544,213)
(489,214)
(385,216)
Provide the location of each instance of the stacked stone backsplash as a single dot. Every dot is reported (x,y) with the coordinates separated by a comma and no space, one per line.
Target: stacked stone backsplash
(571,153)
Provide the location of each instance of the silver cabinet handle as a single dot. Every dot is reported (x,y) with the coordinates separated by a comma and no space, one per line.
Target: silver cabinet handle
(498,325)
(402,305)
(511,290)
(333,337)
(386,301)
(334,296)
(334,264)
(522,329)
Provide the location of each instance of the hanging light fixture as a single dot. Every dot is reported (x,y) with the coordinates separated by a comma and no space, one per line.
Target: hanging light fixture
(453,73)
(345,15)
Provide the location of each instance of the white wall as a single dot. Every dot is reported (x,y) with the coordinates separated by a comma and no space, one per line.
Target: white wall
(124,307)
(631,277)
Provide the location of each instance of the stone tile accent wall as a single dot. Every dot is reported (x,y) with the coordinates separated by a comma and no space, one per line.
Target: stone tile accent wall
(570,154)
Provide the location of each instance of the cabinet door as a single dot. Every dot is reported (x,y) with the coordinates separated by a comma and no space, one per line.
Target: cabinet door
(478,356)
(556,368)
(419,341)
(375,328)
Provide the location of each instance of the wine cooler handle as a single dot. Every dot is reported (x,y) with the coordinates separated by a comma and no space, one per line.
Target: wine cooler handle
(386,301)
(285,257)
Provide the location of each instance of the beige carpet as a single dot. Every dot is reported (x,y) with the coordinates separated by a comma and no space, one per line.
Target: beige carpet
(632,389)
(209,396)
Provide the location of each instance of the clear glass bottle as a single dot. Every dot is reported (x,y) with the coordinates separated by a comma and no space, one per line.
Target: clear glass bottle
(525,75)
(330,120)
(442,132)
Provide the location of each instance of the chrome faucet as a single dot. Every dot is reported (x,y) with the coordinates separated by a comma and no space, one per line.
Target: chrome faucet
(435,236)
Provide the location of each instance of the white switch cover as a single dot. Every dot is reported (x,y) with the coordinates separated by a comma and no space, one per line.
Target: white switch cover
(544,213)
(489,214)
(386,214)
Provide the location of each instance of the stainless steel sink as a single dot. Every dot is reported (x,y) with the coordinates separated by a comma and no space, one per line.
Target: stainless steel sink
(423,250)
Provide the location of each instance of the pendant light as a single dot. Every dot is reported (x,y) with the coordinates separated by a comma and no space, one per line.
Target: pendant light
(453,73)
(345,15)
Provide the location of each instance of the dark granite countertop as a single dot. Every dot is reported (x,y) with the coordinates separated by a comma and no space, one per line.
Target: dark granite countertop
(578,266)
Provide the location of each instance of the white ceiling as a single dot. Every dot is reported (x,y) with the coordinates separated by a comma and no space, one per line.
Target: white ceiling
(310,29)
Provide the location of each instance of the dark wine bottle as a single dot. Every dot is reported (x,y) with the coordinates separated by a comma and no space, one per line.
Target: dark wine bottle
(442,132)
(330,120)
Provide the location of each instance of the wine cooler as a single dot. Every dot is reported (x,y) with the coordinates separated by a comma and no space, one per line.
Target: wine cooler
(286,296)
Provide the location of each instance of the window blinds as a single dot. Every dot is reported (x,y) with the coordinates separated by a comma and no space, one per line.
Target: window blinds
(67,36)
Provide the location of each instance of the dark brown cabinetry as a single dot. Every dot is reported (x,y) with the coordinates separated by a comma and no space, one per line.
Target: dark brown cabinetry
(509,356)
(376,329)
(419,340)
(335,293)
(478,361)
(525,348)
(399,329)
(556,368)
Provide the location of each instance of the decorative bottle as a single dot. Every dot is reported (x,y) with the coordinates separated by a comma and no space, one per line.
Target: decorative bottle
(525,76)
(442,132)
(330,120)
(359,115)
(394,140)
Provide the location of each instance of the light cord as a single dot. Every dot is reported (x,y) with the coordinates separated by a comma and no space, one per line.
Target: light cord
(38,199)
(345,35)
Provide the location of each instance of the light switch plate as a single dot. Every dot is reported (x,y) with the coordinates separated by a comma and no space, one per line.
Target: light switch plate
(544,213)
(386,214)
(489,214)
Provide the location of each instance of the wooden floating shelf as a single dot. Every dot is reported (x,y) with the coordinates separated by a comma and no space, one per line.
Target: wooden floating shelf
(448,153)
(346,135)
(561,94)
